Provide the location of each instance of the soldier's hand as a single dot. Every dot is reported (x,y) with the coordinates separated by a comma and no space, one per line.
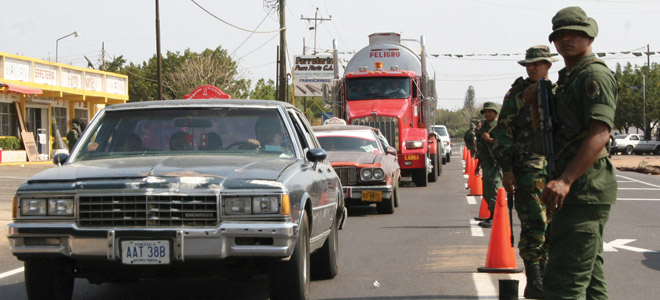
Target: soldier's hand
(529,95)
(554,194)
(509,182)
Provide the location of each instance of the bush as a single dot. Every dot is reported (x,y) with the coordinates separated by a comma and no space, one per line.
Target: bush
(11,143)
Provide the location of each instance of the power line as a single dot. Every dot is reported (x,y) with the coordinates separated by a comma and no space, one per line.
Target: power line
(232,25)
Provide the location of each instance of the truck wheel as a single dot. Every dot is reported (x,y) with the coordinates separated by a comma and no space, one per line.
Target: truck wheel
(49,279)
(325,262)
(420,177)
(656,151)
(387,205)
(290,279)
(629,150)
(433,176)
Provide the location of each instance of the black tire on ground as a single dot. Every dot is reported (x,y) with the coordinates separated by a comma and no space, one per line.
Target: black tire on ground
(420,177)
(395,194)
(386,206)
(444,160)
(325,262)
(656,151)
(448,157)
(290,279)
(49,279)
(439,170)
(433,176)
(629,150)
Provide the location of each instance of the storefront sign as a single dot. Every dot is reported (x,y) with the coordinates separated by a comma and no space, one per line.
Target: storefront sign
(45,74)
(311,73)
(16,69)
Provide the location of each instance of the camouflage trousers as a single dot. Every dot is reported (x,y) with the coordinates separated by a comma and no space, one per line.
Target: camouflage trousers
(534,218)
(492,180)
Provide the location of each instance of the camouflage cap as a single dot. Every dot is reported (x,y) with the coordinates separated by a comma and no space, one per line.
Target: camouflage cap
(537,53)
(573,18)
(490,106)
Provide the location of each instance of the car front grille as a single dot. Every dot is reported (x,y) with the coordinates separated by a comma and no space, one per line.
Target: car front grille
(148,211)
(347,175)
(389,127)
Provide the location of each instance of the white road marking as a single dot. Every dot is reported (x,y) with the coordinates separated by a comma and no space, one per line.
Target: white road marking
(621,244)
(485,283)
(475,229)
(471,199)
(640,189)
(636,199)
(642,182)
(12,272)
(466,176)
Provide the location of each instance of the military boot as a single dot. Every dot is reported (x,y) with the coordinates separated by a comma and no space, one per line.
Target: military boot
(534,287)
(489,222)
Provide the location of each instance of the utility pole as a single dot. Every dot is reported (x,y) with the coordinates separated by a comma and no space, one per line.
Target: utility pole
(158,56)
(282,72)
(316,22)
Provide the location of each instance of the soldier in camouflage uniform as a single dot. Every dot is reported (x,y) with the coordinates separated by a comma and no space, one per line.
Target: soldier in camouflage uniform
(519,152)
(582,194)
(468,138)
(492,174)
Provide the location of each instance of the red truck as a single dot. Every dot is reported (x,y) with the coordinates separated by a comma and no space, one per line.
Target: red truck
(386,85)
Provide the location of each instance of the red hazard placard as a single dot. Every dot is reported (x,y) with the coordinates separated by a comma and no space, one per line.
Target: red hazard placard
(207,92)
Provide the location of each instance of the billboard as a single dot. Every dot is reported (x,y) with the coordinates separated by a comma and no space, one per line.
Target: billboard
(311,73)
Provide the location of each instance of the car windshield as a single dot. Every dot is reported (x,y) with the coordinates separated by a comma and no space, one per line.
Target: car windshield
(348,143)
(378,88)
(621,136)
(186,131)
(441,131)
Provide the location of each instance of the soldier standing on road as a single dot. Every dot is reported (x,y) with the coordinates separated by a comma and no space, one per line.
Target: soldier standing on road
(468,138)
(583,193)
(519,152)
(492,174)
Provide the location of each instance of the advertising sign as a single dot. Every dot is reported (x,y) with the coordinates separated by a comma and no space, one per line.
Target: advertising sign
(311,73)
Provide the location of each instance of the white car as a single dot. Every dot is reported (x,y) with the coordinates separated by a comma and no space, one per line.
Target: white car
(446,141)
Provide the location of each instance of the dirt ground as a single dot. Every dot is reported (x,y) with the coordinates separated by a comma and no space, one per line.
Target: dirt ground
(649,164)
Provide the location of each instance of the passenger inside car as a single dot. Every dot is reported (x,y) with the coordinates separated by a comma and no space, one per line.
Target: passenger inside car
(130,142)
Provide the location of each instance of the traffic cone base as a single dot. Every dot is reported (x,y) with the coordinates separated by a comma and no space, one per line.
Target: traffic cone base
(476,187)
(501,257)
(484,213)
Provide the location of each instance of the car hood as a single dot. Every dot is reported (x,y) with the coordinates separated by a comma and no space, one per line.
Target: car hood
(162,172)
(356,157)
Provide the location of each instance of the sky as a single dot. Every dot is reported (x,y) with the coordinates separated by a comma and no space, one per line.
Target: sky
(458,27)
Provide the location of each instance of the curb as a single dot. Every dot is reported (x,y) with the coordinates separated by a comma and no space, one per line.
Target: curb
(46,162)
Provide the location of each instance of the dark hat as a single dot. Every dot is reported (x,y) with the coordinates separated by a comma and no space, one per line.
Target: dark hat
(573,18)
(490,106)
(537,53)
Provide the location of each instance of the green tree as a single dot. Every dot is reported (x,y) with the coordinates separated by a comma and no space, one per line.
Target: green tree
(264,90)
(630,105)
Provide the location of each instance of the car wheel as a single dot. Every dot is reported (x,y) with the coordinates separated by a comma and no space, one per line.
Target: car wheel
(444,160)
(629,150)
(420,177)
(439,170)
(325,262)
(290,279)
(433,176)
(396,195)
(49,279)
(387,205)
(448,157)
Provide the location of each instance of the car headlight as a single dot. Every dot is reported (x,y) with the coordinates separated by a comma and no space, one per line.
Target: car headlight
(47,207)
(33,207)
(238,205)
(265,204)
(378,174)
(365,174)
(414,144)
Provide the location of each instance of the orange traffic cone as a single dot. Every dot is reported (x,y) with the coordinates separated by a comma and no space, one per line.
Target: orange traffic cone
(476,187)
(484,213)
(501,257)
(467,157)
(465,153)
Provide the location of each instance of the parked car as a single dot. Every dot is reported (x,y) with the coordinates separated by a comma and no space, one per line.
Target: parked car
(634,144)
(179,189)
(446,141)
(647,146)
(366,164)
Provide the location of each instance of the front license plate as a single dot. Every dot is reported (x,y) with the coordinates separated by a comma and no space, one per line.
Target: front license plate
(372,196)
(145,252)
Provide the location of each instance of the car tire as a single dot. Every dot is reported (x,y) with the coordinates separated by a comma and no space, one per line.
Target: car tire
(325,262)
(396,194)
(444,160)
(291,279)
(49,279)
(629,150)
(439,170)
(420,177)
(433,176)
(656,151)
(449,157)
(387,205)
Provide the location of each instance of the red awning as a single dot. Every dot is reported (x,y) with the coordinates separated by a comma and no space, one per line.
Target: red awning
(21,89)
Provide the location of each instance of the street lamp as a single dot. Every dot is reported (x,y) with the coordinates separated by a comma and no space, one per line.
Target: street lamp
(76,33)
(643,98)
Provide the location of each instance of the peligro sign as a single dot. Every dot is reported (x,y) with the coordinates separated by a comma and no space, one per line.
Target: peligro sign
(383,53)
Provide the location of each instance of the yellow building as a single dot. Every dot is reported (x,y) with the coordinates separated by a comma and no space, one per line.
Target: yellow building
(36,94)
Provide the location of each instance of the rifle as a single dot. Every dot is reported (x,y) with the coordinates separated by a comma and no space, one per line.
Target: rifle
(546,113)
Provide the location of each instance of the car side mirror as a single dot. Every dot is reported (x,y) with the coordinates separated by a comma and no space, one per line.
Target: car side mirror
(60,158)
(315,155)
(390,150)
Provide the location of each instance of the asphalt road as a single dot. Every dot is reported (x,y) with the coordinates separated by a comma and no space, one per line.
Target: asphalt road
(428,249)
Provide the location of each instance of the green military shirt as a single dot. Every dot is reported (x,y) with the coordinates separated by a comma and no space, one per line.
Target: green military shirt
(586,93)
(484,149)
(468,138)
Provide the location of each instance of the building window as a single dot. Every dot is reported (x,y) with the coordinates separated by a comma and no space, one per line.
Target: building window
(8,125)
(59,115)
